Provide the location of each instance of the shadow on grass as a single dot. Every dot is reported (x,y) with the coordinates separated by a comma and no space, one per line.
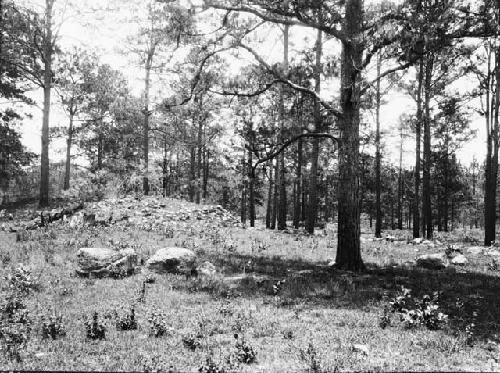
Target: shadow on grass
(466,297)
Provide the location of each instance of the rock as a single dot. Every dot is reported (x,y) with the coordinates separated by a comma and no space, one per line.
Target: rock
(432,261)
(460,259)
(206,269)
(361,349)
(172,260)
(475,250)
(103,262)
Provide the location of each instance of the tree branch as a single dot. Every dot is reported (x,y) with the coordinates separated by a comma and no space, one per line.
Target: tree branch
(286,144)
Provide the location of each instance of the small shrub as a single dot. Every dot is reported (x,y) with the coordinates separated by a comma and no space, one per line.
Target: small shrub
(210,366)
(158,326)
(244,352)
(192,341)
(311,359)
(127,321)
(414,312)
(168,232)
(155,364)
(94,328)
(13,338)
(21,280)
(53,327)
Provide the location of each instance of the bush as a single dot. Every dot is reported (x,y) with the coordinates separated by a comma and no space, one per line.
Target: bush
(22,281)
(127,321)
(414,312)
(94,328)
(244,352)
(158,326)
(210,366)
(53,327)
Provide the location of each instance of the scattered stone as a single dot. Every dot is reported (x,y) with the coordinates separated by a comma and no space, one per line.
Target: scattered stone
(475,250)
(460,259)
(206,269)
(432,261)
(172,260)
(361,349)
(102,262)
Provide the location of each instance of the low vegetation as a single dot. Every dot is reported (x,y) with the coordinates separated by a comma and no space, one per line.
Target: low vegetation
(274,305)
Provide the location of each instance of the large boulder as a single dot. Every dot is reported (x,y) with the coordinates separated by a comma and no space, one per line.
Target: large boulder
(172,260)
(475,250)
(460,259)
(432,261)
(101,262)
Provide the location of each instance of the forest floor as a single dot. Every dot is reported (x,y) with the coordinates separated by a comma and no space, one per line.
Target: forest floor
(289,310)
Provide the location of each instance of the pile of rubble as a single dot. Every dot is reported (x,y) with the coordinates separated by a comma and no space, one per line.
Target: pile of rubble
(153,213)
(149,213)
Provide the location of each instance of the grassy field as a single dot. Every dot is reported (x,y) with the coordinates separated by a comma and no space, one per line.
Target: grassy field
(289,311)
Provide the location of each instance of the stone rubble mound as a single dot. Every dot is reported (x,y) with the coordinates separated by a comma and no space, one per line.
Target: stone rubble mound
(156,213)
(149,213)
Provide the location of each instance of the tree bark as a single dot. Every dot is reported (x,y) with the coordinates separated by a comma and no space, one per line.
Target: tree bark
(47,85)
(243,207)
(145,129)
(282,204)
(400,180)
(348,247)
(192,173)
(69,142)
(491,171)
(426,189)
(269,197)
(418,129)
(298,190)
(312,213)
(206,171)
(378,156)
(199,160)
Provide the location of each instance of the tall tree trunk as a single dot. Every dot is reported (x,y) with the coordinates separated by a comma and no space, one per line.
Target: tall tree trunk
(206,171)
(312,213)
(298,190)
(47,85)
(378,156)
(418,139)
(199,161)
(145,128)
(69,142)
(426,188)
(348,246)
(251,190)
(400,180)
(192,173)
(282,204)
(274,210)
(491,172)
(446,196)
(269,197)
(243,207)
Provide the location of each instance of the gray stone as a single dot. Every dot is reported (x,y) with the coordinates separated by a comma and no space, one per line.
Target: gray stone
(475,250)
(206,269)
(361,349)
(432,261)
(103,262)
(460,259)
(172,260)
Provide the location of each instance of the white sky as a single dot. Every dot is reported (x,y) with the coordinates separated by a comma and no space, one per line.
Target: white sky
(108,37)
